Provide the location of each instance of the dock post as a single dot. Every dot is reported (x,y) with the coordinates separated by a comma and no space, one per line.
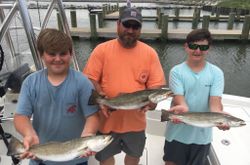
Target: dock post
(217,17)
(104,9)
(158,11)
(238,13)
(93,31)
(160,19)
(108,9)
(100,19)
(164,28)
(246,28)
(176,13)
(73,18)
(213,10)
(231,21)
(197,13)
(59,22)
(205,22)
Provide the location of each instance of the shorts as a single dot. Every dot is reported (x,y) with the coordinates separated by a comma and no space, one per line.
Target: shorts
(132,143)
(185,154)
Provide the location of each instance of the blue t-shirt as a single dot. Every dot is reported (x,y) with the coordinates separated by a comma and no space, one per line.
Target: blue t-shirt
(58,111)
(196,88)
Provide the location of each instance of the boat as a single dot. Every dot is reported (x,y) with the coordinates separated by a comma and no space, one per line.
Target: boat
(228,147)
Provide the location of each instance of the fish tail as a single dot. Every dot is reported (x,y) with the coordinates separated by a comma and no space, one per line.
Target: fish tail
(15,147)
(164,115)
(93,98)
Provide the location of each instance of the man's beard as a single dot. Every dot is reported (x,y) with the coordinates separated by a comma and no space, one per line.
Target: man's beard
(128,40)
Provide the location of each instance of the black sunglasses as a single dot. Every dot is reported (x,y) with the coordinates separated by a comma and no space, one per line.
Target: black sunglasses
(133,26)
(196,46)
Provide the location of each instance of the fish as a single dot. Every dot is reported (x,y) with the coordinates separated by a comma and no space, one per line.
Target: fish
(134,100)
(61,151)
(203,119)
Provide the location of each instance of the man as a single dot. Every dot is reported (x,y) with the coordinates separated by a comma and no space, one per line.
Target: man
(56,97)
(124,65)
(197,86)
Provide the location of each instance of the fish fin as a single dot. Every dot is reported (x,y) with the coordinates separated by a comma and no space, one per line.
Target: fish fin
(93,97)
(164,115)
(83,151)
(14,147)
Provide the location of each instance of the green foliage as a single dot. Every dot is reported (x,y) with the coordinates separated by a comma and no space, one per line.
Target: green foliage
(241,4)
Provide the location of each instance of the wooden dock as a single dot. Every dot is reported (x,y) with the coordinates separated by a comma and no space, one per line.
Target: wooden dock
(176,34)
(163,32)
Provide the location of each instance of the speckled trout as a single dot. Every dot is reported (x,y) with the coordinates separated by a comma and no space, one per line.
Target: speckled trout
(204,119)
(61,151)
(133,100)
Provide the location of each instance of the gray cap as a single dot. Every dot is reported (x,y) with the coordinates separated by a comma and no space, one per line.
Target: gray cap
(131,14)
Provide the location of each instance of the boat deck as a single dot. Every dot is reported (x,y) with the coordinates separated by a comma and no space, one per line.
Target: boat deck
(230,147)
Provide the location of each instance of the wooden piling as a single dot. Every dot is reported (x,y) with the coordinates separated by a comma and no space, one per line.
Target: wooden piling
(164,28)
(217,17)
(59,22)
(205,22)
(238,13)
(93,31)
(73,18)
(176,13)
(246,28)
(160,20)
(158,11)
(104,9)
(100,19)
(230,23)
(213,10)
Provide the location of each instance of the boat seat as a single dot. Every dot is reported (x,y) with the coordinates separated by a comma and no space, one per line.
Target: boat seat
(14,81)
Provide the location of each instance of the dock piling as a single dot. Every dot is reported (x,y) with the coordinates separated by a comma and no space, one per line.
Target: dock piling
(93,31)
(246,28)
(73,18)
(231,21)
(205,22)
(164,28)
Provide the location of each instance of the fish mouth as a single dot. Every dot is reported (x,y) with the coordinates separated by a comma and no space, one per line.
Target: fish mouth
(242,124)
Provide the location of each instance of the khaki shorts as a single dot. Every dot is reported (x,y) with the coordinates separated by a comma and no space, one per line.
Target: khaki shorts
(132,143)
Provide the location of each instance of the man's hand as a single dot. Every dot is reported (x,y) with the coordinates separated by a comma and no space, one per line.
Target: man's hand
(28,141)
(223,127)
(149,106)
(177,110)
(106,110)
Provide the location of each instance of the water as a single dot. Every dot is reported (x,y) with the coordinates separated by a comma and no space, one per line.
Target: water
(231,57)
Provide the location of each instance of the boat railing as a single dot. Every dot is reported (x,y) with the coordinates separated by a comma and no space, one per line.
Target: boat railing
(21,6)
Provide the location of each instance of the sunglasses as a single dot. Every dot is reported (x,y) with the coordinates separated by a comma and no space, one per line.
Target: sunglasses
(133,26)
(196,46)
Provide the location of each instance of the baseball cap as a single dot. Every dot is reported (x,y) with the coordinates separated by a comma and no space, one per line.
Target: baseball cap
(131,14)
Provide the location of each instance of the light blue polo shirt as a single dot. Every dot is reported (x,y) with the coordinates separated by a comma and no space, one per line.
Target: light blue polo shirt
(58,111)
(196,88)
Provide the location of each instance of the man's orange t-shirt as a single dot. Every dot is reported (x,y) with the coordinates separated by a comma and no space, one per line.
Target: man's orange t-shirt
(120,70)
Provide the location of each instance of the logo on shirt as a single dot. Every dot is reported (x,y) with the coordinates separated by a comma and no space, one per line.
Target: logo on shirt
(208,85)
(71,109)
(143,77)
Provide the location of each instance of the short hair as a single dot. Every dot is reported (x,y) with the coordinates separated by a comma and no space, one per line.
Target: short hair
(53,41)
(199,35)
